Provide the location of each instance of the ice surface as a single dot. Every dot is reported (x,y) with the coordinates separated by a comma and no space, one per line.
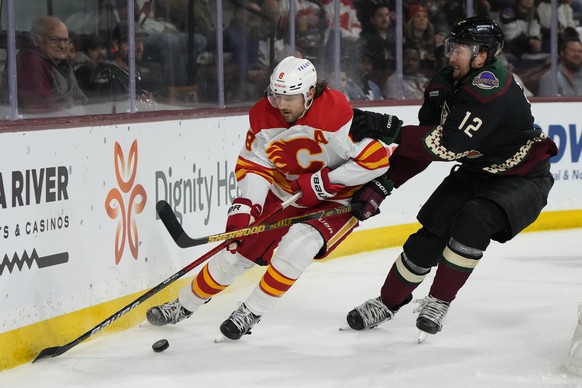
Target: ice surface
(510,326)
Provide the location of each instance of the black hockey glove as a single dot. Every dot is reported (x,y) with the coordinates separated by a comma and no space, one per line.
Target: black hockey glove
(375,126)
(370,196)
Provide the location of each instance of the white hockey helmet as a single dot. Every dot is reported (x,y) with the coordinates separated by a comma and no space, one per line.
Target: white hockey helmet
(293,76)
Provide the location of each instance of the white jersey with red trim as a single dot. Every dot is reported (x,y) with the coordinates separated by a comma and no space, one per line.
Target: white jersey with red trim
(276,153)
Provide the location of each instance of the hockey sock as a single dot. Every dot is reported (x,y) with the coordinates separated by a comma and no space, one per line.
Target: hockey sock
(294,254)
(452,273)
(403,278)
(214,277)
(271,287)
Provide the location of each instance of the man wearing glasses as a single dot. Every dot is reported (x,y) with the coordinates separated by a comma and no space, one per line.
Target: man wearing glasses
(46,81)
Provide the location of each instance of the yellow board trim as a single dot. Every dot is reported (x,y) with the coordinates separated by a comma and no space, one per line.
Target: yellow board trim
(22,345)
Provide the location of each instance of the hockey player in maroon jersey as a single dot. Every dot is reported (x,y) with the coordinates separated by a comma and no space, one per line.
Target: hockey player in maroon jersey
(476,115)
(298,141)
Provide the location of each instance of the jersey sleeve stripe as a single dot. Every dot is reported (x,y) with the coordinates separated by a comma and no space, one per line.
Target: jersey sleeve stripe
(374,156)
(244,166)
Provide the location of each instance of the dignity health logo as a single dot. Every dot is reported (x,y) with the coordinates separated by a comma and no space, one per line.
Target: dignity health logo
(126,202)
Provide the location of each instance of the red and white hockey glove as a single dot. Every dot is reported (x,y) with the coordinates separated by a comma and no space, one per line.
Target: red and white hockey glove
(241,214)
(315,187)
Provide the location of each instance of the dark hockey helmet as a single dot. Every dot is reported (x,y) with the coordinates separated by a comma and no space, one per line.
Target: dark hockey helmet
(480,33)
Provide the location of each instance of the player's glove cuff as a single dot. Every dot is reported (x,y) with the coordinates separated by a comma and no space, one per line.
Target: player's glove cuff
(368,199)
(375,126)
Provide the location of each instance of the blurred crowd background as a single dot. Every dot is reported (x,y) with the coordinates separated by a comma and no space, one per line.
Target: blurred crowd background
(113,56)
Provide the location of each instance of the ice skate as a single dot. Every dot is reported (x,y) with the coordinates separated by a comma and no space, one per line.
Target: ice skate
(431,313)
(240,322)
(171,312)
(372,313)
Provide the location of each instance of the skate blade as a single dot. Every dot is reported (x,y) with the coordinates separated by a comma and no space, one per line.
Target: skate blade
(223,338)
(421,336)
(345,327)
(146,323)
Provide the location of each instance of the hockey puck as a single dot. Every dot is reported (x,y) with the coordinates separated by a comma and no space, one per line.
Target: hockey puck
(161,345)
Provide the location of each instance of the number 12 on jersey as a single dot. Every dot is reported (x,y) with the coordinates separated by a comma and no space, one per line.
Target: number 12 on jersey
(469,126)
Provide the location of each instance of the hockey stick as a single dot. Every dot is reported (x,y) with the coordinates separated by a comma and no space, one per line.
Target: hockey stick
(58,350)
(183,240)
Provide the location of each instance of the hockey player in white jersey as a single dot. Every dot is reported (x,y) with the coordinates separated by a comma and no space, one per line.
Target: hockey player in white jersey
(298,140)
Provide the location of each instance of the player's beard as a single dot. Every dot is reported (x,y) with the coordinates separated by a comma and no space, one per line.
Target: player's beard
(459,72)
(289,116)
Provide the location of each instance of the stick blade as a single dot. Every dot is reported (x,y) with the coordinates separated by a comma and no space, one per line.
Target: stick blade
(169,219)
(48,353)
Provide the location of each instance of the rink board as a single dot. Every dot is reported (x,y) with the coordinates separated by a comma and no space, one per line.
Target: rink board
(80,237)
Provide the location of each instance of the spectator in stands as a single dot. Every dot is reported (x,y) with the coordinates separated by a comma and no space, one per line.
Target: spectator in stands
(168,45)
(360,86)
(274,46)
(414,82)
(498,6)
(380,42)
(565,19)
(420,34)
(111,81)
(522,30)
(350,30)
(201,21)
(71,56)
(444,13)
(569,74)
(46,81)
(440,60)
(91,52)
(501,58)
(312,24)
(242,38)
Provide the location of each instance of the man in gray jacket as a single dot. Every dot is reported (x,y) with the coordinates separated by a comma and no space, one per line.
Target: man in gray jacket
(46,81)
(569,75)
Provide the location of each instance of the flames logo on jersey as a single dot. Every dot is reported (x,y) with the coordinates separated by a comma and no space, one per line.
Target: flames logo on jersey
(286,155)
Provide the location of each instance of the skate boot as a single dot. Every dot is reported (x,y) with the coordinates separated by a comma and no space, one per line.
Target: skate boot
(171,312)
(431,313)
(240,322)
(372,313)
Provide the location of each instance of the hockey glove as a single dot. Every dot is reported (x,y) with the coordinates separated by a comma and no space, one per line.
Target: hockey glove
(315,187)
(375,126)
(241,214)
(370,196)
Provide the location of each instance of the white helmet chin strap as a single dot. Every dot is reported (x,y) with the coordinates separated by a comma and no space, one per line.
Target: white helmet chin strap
(308,103)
